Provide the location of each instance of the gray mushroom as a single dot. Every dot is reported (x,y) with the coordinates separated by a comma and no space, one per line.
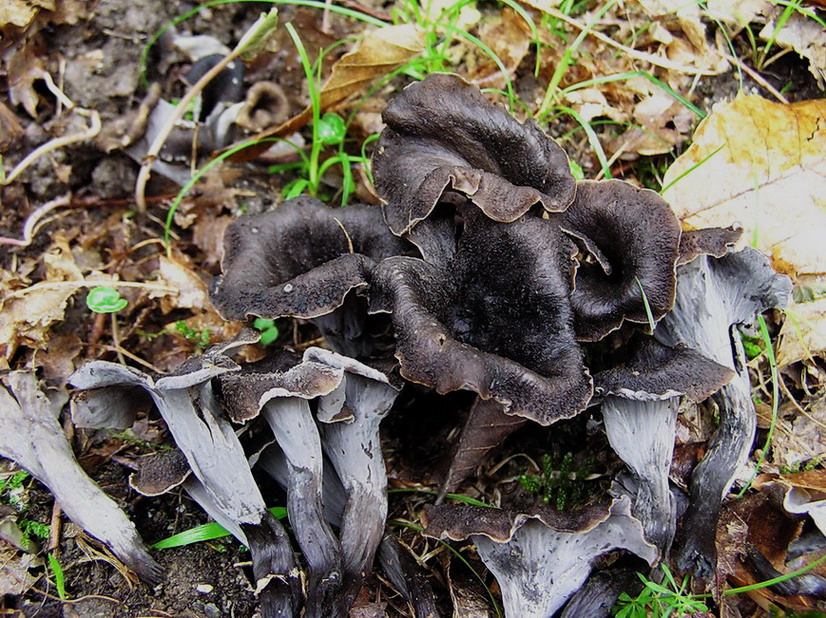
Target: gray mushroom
(541,557)
(714,297)
(186,402)
(352,444)
(640,412)
(280,390)
(31,436)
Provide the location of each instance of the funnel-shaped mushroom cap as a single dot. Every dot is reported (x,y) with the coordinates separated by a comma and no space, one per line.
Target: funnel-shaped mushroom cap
(542,557)
(186,402)
(632,239)
(302,260)
(714,296)
(640,413)
(31,436)
(281,395)
(658,372)
(444,136)
(496,319)
(352,443)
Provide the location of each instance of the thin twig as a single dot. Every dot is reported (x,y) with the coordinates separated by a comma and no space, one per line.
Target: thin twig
(30,225)
(59,142)
(177,113)
(756,77)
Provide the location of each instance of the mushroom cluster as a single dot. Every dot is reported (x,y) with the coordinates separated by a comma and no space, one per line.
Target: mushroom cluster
(489,269)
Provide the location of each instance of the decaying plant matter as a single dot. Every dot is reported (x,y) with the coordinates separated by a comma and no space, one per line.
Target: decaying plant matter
(494,273)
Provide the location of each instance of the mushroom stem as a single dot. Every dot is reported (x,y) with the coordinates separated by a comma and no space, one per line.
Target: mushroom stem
(295,431)
(713,476)
(486,428)
(354,449)
(642,434)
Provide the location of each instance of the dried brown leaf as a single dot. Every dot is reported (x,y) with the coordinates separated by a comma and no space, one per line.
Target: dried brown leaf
(27,319)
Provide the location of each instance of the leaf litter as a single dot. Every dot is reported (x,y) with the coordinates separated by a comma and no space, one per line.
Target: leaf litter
(752,161)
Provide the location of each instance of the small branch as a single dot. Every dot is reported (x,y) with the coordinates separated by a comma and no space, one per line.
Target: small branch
(30,226)
(59,142)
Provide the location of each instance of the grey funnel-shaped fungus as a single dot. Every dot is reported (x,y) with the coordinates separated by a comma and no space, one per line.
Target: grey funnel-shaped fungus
(495,319)
(351,442)
(640,413)
(31,436)
(307,260)
(631,238)
(280,389)
(443,136)
(714,297)
(541,557)
(186,402)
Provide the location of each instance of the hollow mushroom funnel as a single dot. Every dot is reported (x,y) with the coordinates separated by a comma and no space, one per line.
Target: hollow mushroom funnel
(186,402)
(641,401)
(349,426)
(714,297)
(280,391)
(540,558)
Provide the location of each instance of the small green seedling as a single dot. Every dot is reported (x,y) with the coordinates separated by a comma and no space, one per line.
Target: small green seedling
(269,331)
(201,338)
(332,129)
(660,601)
(103,299)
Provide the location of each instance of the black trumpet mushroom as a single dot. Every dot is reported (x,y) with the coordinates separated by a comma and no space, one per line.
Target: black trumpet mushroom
(186,401)
(307,260)
(539,556)
(280,389)
(641,401)
(715,296)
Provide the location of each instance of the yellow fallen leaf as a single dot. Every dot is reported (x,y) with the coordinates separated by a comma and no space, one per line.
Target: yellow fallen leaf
(759,164)
(20,13)
(803,334)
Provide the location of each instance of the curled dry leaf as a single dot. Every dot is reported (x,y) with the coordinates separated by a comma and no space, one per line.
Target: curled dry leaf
(26,320)
(380,52)
(803,334)
(769,175)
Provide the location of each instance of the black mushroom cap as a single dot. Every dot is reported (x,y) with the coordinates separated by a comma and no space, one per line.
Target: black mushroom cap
(541,556)
(632,239)
(302,260)
(659,372)
(495,319)
(639,411)
(444,136)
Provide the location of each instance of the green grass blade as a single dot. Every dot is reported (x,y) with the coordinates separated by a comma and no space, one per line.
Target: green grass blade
(776,580)
(457,497)
(691,169)
(764,333)
(59,577)
(206,532)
